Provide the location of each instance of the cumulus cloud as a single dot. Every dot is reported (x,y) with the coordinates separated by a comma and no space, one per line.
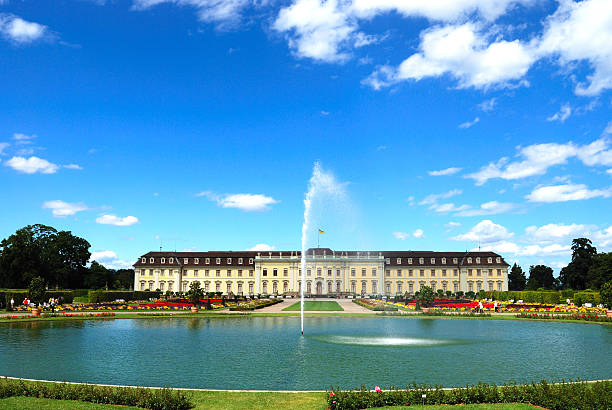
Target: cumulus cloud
(488,105)
(536,159)
(23,138)
(61,209)
(418,234)
(453,224)
(469,124)
(488,208)
(20,31)
(262,247)
(464,52)
(244,202)
(563,114)
(444,172)
(109,219)
(402,236)
(566,192)
(32,165)
(73,166)
(434,198)
(109,259)
(555,232)
(485,231)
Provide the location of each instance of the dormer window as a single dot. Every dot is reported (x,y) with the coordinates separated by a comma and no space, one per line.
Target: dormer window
(163,260)
(186,261)
(421,261)
(171,260)
(455,261)
(443,261)
(250,261)
(490,260)
(207,261)
(478,260)
(144,260)
(410,261)
(469,260)
(388,261)
(229,261)
(498,260)
(218,261)
(196,261)
(433,261)
(399,261)
(239,261)
(151,260)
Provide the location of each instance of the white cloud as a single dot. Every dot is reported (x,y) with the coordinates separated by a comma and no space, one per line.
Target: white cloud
(402,236)
(563,114)
(604,238)
(23,138)
(555,232)
(434,198)
(566,192)
(537,158)
(448,207)
(3,146)
(109,260)
(418,234)
(453,224)
(485,232)
(549,250)
(465,53)
(609,171)
(62,209)
(262,247)
(488,105)
(73,166)
(443,172)
(108,219)
(20,31)
(488,208)
(32,165)
(581,31)
(224,13)
(469,124)
(608,129)
(244,202)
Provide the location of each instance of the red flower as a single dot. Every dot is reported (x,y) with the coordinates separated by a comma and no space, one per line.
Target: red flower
(331,394)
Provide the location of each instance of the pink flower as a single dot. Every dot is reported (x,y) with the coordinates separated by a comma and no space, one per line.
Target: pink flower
(331,394)
(377,389)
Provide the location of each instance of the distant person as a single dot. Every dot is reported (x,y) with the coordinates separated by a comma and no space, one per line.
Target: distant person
(52,304)
(26,302)
(495,306)
(480,306)
(12,303)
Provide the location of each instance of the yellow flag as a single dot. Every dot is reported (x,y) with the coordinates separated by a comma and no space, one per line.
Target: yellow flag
(320,231)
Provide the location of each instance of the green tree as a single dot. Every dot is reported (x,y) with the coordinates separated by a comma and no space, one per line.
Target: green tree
(195,293)
(600,271)
(606,294)
(575,274)
(98,276)
(516,278)
(36,290)
(426,296)
(540,276)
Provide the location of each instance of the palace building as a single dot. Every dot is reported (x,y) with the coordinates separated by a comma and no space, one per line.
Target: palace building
(328,272)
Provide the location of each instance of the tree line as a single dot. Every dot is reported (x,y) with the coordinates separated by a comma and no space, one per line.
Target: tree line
(59,257)
(587,270)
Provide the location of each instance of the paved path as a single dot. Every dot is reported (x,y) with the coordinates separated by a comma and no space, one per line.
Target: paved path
(346,304)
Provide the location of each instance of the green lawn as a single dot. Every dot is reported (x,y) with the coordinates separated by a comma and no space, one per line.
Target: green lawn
(236,401)
(314,306)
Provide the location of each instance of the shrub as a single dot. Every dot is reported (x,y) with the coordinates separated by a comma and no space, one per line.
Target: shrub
(36,290)
(580,298)
(606,294)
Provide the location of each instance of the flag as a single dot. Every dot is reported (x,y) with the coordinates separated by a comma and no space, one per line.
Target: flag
(320,231)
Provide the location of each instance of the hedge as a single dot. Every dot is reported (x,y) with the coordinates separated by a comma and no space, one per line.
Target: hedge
(97,296)
(529,296)
(156,399)
(19,294)
(580,298)
(579,395)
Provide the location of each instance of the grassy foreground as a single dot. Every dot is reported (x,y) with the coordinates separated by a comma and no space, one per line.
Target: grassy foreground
(234,401)
(330,306)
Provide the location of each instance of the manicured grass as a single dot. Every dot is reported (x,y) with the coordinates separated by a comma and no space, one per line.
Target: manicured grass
(314,306)
(504,406)
(33,403)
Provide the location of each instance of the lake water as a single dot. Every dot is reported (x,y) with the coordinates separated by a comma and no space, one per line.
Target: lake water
(268,353)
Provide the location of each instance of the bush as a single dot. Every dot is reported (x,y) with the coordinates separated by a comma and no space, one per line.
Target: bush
(606,294)
(580,298)
(157,399)
(579,395)
(551,297)
(99,296)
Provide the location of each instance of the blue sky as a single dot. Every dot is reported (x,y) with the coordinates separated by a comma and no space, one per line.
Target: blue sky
(195,124)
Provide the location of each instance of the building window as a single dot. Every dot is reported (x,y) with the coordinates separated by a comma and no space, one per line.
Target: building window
(469,260)
(250,261)
(388,261)
(499,286)
(399,261)
(455,272)
(498,260)
(478,286)
(171,260)
(239,261)
(410,261)
(265,287)
(433,272)
(433,286)
(207,261)
(309,288)
(470,272)
(443,261)
(410,272)
(455,287)
(399,272)
(477,272)
(352,272)
(186,261)
(388,288)
(490,260)
(251,273)
(196,261)
(490,285)
(229,272)
(470,286)
(285,286)
(374,287)
(239,273)
(478,260)
(338,287)
(329,272)
(433,261)
(455,261)
(206,286)
(363,272)
(422,272)
(411,287)
(240,288)
(330,288)
(285,272)
(353,287)
(443,272)
(274,272)
(151,260)
(421,261)
(499,272)
(163,260)
(218,272)
(206,272)
(399,288)
(363,287)
(373,271)
(319,272)
(265,272)
(229,261)
(250,288)
(444,285)
(150,272)
(337,272)
(195,272)
(144,260)
(308,272)
(218,261)
(229,287)
(387,272)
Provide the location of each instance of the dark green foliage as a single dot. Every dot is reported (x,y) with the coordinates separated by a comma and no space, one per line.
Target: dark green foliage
(98,296)
(580,298)
(580,395)
(157,399)
(19,294)
(600,271)
(606,294)
(426,296)
(516,278)
(540,276)
(575,274)
(547,296)
(195,293)
(36,290)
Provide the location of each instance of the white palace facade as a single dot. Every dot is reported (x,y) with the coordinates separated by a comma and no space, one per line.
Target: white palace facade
(328,272)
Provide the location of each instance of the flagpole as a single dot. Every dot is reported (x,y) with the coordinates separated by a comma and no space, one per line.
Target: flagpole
(318,237)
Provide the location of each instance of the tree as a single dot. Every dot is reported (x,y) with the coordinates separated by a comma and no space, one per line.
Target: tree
(426,296)
(195,293)
(540,276)
(516,278)
(40,250)
(97,276)
(606,294)
(575,274)
(36,290)
(600,271)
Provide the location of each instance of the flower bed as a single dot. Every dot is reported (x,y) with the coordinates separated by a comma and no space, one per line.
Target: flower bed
(588,318)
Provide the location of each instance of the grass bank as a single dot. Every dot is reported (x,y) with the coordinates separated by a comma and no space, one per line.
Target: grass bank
(331,306)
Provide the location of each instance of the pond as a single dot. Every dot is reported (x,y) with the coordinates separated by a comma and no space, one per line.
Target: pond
(268,353)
